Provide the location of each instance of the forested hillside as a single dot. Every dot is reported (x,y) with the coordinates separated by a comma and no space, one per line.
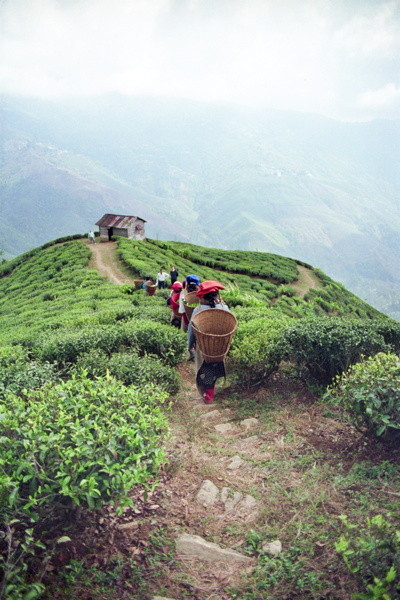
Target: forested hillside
(95,492)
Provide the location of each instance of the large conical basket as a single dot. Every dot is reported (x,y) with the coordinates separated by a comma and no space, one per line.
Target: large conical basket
(190,298)
(151,289)
(214,329)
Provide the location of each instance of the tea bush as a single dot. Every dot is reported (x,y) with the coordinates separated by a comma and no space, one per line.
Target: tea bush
(78,443)
(372,555)
(65,348)
(81,441)
(257,349)
(18,372)
(328,346)
(130,368)
(370,393)
(148,337)
(168,343)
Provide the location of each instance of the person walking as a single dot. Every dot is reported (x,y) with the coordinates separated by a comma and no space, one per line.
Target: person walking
(173,273)
(206,373)
(173,302)
(161,279)
(91,237)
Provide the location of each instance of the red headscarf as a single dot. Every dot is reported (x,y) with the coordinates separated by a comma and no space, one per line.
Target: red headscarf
(209,286)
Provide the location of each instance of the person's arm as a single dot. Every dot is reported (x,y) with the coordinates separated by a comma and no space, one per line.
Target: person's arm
(191,337)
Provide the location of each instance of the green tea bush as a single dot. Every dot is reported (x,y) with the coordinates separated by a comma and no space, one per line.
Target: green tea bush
(236,297)
(148,337)
(370,393)
(257,348)
(328,346)
(142,371)
(18,372)
(79,443)
(166,342)
(130,368)
(65,347)
(372,555)
(389,329)
(244,313)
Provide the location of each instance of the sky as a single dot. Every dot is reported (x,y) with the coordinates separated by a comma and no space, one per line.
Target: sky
(339,58)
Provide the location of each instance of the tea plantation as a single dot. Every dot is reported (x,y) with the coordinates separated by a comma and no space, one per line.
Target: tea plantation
(87,367)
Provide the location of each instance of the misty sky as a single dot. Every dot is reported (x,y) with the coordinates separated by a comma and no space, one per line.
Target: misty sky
(335,57)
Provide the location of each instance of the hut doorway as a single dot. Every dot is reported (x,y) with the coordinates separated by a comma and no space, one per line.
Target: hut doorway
(110,233)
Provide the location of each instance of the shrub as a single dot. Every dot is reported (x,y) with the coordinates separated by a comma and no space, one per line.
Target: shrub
(130,368)
(237,297)
(79,443)
(148,337)
(372,554)
(165,341)
(328,346)
(370,392)
(142,371)
(257,348)
(66,346)
(18,372)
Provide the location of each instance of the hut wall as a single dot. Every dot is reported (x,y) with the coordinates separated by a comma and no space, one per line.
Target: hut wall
(104,232)
(121,232)
(136,233)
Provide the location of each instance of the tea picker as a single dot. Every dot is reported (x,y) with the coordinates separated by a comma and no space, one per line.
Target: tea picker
(210,333)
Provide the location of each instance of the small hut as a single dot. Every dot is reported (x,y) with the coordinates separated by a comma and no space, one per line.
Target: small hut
(123,225)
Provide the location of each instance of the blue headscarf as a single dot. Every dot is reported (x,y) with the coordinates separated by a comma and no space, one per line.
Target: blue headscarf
(193,279)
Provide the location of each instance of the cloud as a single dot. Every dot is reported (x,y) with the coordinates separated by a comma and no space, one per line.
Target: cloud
(312,55)
(387,98)
(373,34)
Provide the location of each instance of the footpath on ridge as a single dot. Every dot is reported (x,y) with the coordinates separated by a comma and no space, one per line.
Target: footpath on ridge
(210,473)
(212,492)
(104,260)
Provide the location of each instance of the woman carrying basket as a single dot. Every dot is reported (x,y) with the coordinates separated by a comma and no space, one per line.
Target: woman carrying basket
(206,372)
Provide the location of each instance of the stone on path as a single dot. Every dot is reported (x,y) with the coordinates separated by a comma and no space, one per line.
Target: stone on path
(236,462)
(248,423)
(230,501)
(224,428)
(210,415)
(207,494)
(234,502)
(196,546)
(249,504)
(274,547)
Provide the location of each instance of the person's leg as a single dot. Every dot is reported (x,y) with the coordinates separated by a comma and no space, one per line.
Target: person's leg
(198,361)
(208,395)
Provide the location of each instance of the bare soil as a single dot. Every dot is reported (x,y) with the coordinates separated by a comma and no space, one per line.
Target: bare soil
(105,261)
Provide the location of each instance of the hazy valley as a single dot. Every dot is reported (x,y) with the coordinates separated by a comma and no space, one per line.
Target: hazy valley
(294,184)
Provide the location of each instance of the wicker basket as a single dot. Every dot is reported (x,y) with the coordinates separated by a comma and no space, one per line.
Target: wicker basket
(138,283)
(151,289)
(214,329)
(190,298)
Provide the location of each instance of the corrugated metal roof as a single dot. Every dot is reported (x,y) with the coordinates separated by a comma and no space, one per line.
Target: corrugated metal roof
(120,221)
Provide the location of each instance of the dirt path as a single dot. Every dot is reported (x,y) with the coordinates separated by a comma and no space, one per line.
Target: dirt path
(214,489)
(307,280)
(105,261)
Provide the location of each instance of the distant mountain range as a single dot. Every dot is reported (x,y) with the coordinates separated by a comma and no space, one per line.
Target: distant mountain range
(294,184)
